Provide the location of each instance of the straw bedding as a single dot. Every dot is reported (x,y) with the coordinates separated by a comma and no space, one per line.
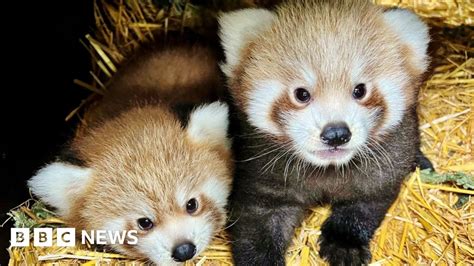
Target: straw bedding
(431,222)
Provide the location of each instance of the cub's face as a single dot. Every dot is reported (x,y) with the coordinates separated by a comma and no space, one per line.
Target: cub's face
(176,208)
(147,172)
(325,85)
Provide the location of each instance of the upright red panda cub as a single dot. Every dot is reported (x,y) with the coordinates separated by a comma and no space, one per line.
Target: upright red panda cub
(148,162)
(326,95)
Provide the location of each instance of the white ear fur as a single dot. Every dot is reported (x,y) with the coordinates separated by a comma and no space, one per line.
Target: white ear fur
(413,32)
(209,123)
(59,183)
(237,29)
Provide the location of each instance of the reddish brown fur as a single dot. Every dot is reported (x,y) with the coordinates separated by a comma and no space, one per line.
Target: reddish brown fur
(283,104)
(376,101)
(137,146)
(183,74)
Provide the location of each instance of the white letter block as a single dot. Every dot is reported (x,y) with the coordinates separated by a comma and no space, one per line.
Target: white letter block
(43,237)
(20,237)
(66,237)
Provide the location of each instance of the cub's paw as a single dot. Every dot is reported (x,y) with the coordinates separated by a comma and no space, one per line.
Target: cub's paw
(423,162)
(338,253)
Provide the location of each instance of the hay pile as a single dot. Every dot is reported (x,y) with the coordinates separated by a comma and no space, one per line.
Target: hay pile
(431,222)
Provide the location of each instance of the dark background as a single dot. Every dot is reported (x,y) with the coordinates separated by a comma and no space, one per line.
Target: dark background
(41,55)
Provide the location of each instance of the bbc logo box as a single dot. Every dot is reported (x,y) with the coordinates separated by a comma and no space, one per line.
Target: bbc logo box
(43,237)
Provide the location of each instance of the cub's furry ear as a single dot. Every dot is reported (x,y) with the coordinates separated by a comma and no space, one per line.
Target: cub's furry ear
(413,32)
(57,184)
(237,29)
(209,123)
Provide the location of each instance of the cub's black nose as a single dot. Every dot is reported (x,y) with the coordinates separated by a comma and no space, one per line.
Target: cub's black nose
(184,252)
(336,134)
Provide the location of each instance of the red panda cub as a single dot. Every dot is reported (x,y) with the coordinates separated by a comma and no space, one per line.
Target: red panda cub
(326,96)
(148,162)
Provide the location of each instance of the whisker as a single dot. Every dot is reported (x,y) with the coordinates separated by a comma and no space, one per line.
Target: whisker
(272,148)
(271,164)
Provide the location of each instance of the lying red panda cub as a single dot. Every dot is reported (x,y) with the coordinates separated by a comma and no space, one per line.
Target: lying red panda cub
(148,162)
(326,94)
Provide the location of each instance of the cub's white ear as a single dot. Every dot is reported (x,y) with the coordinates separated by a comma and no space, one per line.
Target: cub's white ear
(237,29)
(209,123)
(413,32)
(58,184)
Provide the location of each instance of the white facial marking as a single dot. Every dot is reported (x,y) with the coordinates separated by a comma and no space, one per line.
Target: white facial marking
(202,232)
(394,97)
(260,104)
(217,191)
(59,183)
(309,76)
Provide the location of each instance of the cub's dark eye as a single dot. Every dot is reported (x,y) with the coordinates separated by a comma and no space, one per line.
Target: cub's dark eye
(145,224)
(192,205)
(302,95)
(359,91)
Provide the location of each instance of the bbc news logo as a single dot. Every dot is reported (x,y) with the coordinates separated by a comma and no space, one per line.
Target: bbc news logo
(66,237)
